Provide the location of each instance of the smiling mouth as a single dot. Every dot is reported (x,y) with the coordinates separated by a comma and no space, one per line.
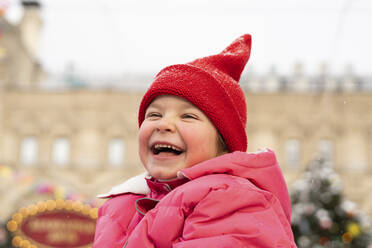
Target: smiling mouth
(166,149)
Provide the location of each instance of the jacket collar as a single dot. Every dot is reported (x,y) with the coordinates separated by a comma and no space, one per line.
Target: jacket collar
(165,186)
(143,184)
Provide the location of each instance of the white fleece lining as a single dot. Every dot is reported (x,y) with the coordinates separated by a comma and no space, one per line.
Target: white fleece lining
(135,185)
(259,151)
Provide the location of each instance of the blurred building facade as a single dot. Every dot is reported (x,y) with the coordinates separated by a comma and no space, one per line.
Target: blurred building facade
(19,64)
(85,138)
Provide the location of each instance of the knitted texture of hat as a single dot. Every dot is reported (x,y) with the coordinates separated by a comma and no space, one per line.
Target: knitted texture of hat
(212,84)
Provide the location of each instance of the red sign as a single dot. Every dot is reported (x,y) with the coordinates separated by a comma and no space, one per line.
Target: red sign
(60,229)
(63,227)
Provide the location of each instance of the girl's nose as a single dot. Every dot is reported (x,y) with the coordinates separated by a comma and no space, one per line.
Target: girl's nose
(166,125)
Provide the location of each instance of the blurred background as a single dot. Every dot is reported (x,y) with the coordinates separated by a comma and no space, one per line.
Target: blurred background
(72,73)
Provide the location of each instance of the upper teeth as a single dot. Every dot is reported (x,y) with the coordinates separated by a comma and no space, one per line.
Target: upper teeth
(158,146)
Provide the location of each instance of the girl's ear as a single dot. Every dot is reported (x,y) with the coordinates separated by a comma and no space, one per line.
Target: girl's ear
(221,145)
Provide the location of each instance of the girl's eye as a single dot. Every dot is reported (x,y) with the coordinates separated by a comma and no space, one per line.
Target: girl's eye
(153,114)
(189,116)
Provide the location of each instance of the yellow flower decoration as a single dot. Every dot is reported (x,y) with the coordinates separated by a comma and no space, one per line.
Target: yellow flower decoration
(354,229)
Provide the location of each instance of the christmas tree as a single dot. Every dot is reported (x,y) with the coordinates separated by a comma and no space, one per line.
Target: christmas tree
(321,217)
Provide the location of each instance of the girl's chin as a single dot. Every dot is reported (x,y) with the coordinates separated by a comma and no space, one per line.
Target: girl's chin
(164,177)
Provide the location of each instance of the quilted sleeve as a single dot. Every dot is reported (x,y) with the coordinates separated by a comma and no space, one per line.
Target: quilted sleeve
(236,216)
(112,233)
(114,217)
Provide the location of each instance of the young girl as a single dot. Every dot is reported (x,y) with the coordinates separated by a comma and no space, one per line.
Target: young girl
(201,188)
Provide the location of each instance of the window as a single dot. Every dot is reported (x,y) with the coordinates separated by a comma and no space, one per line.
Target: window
(61,151)
(292,152)
(116,150)
(29,151)
(325,150)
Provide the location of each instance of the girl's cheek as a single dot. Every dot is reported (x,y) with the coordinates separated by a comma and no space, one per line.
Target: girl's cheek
(143,133)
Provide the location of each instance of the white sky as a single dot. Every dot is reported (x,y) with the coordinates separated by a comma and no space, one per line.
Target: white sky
(112,37)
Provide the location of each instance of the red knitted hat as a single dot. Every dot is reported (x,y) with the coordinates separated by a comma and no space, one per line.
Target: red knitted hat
(212,84)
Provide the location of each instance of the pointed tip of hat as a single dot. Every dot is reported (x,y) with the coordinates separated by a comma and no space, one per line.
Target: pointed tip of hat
(239,51)
(231,60)
(241,44)
(247,39)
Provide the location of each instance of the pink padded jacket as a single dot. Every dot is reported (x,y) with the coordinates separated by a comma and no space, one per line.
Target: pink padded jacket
(235,200)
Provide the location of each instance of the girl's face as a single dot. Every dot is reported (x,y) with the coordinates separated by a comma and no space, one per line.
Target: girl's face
(175,135)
